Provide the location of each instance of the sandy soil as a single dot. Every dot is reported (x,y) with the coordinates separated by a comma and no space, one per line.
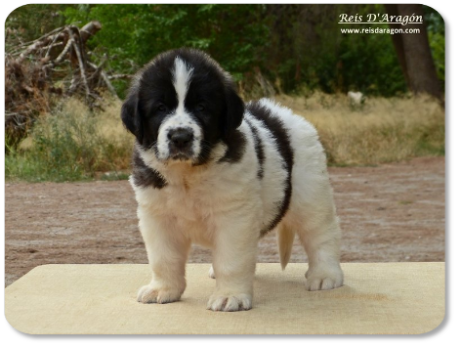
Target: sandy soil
(393,212)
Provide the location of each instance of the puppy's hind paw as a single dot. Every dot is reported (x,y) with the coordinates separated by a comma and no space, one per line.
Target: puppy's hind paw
(324,280)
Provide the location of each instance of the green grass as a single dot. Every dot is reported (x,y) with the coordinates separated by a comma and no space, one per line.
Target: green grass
(73,144)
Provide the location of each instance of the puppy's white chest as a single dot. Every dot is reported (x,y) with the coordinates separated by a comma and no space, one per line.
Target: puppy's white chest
(185,202)
(191,211)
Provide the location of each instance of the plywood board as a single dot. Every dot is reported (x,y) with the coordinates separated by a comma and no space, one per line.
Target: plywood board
(377,298)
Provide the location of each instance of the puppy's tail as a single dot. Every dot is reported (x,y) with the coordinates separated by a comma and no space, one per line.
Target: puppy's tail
(285,241)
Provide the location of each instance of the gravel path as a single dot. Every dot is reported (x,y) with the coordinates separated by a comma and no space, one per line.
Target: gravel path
(393,212)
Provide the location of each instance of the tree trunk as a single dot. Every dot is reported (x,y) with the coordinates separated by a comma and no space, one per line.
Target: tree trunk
(416,62)
(392,10)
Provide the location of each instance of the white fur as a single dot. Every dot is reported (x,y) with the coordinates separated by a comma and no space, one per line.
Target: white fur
(224,206)
(181,80)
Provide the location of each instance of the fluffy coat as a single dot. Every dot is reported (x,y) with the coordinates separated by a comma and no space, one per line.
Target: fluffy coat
(209,169)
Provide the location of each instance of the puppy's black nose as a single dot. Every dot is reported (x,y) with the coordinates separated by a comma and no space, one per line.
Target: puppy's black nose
(181,137)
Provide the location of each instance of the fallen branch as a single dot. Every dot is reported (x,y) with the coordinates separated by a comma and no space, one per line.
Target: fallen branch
(108,83)
(105,78)
(82,68)
(32,75)
(89,30)
(64,52)
(38,44)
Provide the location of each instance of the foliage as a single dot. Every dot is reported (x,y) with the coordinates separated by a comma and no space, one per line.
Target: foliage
(436,37)
(294,46)
(33,21)
(233,35)
(72,143)
(323,58)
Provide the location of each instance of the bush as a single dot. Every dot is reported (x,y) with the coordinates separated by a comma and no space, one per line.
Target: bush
(72,143)
(380,130)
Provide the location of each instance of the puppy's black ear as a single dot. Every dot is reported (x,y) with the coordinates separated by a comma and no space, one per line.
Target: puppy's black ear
(234,110)
(131,117)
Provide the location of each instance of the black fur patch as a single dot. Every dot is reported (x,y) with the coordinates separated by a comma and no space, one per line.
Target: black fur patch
(259,149)
(145,176)
(281,136)
(236,146)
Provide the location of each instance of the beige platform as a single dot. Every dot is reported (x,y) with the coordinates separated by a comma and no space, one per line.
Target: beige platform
(383,298)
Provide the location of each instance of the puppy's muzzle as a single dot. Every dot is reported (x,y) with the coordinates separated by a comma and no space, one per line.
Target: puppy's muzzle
(180,142)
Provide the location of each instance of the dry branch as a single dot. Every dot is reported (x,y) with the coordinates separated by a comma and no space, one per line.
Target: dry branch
(89,30)
(82,69)
(56,63)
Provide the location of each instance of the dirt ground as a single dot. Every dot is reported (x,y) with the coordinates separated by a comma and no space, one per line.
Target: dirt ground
(393,212)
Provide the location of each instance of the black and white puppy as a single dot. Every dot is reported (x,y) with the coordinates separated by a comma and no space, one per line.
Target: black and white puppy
(209,169)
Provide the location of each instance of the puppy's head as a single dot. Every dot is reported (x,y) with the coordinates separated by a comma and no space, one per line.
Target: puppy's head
(180,105)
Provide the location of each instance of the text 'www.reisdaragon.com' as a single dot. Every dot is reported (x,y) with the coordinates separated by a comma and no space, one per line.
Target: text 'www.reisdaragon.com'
(388,31)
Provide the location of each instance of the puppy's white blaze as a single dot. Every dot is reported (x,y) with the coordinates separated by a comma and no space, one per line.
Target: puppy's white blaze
(179,117)
(181,80)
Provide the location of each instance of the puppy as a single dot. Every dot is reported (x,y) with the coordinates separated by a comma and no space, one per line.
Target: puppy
(211,170)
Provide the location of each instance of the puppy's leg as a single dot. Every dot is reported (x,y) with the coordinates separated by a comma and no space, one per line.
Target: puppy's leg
(323,250)
(167,252)
(234,261)
(320,236)
(322,244)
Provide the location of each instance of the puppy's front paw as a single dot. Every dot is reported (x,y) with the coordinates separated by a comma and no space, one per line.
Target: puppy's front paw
(324,278)
(150,294)
(230,303)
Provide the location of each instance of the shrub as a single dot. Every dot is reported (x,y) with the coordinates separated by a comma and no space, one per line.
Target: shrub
(73,143)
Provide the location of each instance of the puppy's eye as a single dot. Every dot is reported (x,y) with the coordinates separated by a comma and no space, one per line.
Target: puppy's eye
(162,108)
(200,107)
